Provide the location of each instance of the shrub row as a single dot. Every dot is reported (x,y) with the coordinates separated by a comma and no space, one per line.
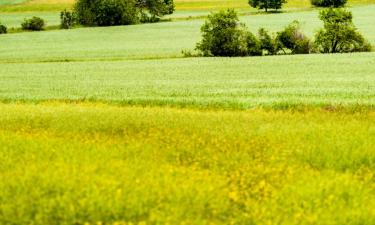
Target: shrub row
(224,35)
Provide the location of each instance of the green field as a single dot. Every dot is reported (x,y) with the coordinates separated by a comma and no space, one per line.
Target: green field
(231,83)
(114,126)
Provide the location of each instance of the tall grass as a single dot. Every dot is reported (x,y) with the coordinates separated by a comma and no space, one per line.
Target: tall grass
(77,164)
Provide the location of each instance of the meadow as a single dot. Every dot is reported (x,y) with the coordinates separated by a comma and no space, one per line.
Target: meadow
(101,164)
(113,125)
(230,83)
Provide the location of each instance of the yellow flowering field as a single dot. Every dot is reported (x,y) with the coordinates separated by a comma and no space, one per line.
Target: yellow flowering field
(101,164)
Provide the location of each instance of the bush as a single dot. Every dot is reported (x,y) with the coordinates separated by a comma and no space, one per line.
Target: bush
(223,35)
(33,24)
(329,3)
(121,12)
(267,4)
(68,19)
(291,38)
(267,42)
(107,12)
(339,34)
(153,10)
(3,29)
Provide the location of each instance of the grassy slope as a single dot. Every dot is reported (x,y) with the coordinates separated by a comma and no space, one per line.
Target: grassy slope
(86,163)
(234,83)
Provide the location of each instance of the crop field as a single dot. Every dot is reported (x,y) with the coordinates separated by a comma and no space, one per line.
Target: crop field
(230,83)
(114,126)
(94,163)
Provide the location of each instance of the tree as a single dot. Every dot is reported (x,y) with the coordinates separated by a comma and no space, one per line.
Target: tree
(339,35)
(267,4)
(224,35)
(329,3)
(293,39)
(121,12)
(33,24)
(3,29)
(268,43)
(152,10)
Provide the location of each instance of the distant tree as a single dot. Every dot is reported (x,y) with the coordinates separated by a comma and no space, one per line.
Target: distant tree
(3,29)
(267,4)
(68,19)
(293,39)
(155,9)
(268,43)
(329,3)
(339,35)
(121,12)
(33,24)
(224,35)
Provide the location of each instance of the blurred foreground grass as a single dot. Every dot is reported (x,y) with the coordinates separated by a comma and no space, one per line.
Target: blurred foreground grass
(100,164)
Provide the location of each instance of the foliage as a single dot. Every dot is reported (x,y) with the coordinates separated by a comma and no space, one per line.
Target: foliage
(224,35)
(267,4)
(293,39)
(121,12)
(68,19)
(3,29)
(329,3)
(107,12)
(268,43)
(339,34)
(33,24)
(153,10)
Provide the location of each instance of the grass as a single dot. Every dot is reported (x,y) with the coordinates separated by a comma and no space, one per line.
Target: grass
(138,42)
(11,2)
(312,80)
(58,5)
(85,164)
(14,20)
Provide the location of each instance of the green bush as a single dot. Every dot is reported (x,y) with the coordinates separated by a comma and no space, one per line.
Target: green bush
(33,24)
(3,29)
(268,43)
(153,10)
(223,35)
(68,19)
(329,3)
(339,35)
(291,38)
(121,12)
(107,12)
(267,4)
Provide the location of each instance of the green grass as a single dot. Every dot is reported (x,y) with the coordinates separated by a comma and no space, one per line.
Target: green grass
(14,20)
(79,164)
(11,2)
(312,80)
(139,41)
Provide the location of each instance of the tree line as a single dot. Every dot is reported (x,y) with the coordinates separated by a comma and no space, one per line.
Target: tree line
(224,35)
